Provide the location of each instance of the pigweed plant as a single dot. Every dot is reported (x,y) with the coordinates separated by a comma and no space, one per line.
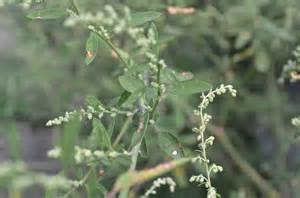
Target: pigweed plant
(146,80)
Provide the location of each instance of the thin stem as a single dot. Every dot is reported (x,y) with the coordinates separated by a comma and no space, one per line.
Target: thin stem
(114,48)
(136,148)
(123,131)
(158,93)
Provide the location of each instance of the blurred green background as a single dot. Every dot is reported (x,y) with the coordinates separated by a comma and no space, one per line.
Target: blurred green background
(240,42)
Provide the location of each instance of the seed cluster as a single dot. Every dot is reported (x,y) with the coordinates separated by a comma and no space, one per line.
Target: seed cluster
(204,142)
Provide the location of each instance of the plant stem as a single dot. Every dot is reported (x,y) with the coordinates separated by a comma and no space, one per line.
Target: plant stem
(134,156)
(123,131)
(136,148)
(158,93)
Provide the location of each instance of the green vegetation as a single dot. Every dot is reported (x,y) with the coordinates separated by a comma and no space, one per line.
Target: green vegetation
(126,88)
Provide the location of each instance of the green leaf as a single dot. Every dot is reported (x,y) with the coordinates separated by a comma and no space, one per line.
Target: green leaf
(170,145)
(140,18)
(68,140)
(144,148)
(99,137)
(93,101)
(123,98)
(132,99)
(139,136)
(137,69)
(131,83)
(190,87)
(111,126)
(91,46)
(93,186)
(48,13)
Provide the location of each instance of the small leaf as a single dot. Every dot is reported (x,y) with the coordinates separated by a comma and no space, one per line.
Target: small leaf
(190,87)
(99,136)
(94,187)
(140,18)
(92,44)
(170,144)
(132,99)
(144,148)
(123,98)
(48,13)
(68,140)
(93,101)
(131,83)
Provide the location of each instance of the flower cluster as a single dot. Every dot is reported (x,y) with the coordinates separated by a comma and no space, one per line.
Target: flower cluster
(296,122)
(86,156)
(55,152)
(155,65)
(110,20)
(204,142)
(292,68)
(20,177)
(24,4)
(108,17)
(89,112)
(7,169)
(143,41)
(158,183)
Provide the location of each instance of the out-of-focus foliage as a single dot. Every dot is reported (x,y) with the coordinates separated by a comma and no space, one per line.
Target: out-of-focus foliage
(240,42)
